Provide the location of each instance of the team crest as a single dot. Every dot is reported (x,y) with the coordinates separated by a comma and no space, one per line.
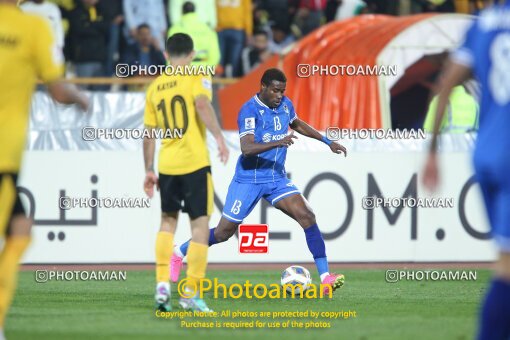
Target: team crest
(285,108)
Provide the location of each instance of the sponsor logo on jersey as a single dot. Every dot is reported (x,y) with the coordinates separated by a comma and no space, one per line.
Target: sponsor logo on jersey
(269,137)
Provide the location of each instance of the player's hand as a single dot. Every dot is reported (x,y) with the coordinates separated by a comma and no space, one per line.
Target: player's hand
(431,173)
(338,148)
(148,184)
(83,102)
(288,140)
(223,151)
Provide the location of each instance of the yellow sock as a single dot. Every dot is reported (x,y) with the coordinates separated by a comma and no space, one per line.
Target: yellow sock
(9,262)
(164,246)
(197,263)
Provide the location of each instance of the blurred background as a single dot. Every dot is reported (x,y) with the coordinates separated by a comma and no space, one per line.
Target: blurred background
(237,36)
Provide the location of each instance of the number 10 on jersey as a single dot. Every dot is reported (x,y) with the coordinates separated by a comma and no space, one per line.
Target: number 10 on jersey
(170,118)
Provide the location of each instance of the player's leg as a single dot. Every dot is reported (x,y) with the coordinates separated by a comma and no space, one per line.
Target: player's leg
(288,199)
(170,191)
(221,233)
(197,264)
(198,197)
(15,226)
(241,199)
(164,243)
(495,313)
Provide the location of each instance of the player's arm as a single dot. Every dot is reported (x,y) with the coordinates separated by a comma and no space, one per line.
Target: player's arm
(49,67)
(208,116)
(430,118)
(452,75)
(66,93)
(250,148)
(309,131)
(457,69)
(149,146)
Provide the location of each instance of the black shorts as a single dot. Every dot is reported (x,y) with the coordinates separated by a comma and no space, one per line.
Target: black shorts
(10,204)
(195,190)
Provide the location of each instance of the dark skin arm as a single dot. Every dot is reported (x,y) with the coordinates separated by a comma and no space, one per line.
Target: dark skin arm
(306,130)
(250,148)
(452,75)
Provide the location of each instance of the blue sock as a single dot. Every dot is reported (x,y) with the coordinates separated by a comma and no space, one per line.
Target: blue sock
(212,240)
(495,316)
(317,247)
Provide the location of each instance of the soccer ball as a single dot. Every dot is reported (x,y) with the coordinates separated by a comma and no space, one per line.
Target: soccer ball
(296,275)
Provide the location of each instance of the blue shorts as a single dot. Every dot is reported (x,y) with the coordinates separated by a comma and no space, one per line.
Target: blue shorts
(243,197)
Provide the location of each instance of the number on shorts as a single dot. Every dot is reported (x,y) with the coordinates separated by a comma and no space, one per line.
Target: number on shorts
(236,207)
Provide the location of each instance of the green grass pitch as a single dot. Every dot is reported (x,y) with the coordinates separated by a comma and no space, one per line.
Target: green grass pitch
(124,309)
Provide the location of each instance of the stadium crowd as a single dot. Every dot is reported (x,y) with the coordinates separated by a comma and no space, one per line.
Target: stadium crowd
(234,35)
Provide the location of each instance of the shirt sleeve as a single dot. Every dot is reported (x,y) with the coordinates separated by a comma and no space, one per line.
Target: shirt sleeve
(47,55)
(59,27)
(149,114)
(292,113)
(465,54)
(246,121)
(203,86)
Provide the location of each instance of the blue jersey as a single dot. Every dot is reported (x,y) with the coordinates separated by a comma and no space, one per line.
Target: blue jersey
(486,50)
(267,125)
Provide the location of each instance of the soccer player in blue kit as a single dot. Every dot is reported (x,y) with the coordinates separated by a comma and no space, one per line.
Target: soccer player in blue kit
(486,53)
(260,173)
